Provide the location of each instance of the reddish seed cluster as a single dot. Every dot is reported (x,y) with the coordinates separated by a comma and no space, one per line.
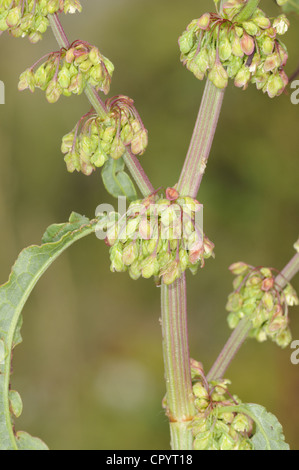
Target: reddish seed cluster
(222,47)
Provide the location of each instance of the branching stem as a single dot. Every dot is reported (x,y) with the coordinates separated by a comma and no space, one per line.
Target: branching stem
(241,332)
(131,161)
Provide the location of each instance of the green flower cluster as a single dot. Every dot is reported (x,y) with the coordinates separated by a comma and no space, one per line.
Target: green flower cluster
(67,72)
(257,295)
(212,427)
(95,139)
(30,18)
(225,46)
(158,236)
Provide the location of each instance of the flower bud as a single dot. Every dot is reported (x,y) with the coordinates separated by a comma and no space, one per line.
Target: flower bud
(13,17)
(85,66)
(226,442)
(239,268)
(281,24)
(149,267)
(236,47)
(27,80)
(139,142)
(242,423)
(135,270)
(186,41)
(251,28)
(53,6)
(235,301)
(130,254)
(199,391)
(172,273)
(290,295)
(77,84)
(204,21)
(34,37)
(116,258)
(234,66)
(64,78)
(243,77)
(117,148)
(70,55)
(67,142)
(272,62)
(262,22)
(225,49)
(267,300)
(267,45)
(99,158)
(274,86)
(218,76)
(247,44)
(203,440)
(268,284)
(95,56)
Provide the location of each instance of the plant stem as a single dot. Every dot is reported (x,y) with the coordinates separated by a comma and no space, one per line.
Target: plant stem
(180,407)
(131,160)
(201,141)
(288,272)
(232,346)
(241,332)
(174,310)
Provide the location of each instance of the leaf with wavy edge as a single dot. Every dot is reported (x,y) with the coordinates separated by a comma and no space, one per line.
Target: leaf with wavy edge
(27,270)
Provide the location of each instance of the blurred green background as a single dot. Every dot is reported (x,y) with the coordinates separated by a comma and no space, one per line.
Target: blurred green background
(90,368)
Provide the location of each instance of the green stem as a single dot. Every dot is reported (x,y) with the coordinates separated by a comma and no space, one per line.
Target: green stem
(174,310)
(180,407)
(232,346)
(201,141)
(241,332)
(131,161)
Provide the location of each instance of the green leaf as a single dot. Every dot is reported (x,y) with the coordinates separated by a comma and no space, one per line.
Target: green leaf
(268,434)
(116,181)
(56,231)
(27,442)
(29,267)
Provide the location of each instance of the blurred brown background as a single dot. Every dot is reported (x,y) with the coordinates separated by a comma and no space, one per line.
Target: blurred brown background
(90,368)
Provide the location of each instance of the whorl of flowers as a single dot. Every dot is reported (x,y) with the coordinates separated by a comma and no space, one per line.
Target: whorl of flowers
(258,296)
(30,17)
(159,236)
(95,139)
(223,46)
(68,71)
(212,429)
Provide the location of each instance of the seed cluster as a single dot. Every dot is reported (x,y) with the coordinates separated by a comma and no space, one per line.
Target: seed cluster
(257,295)
(68,71)
(95,139)
(224,46)
(29,17)
(213,428)
(158,236)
